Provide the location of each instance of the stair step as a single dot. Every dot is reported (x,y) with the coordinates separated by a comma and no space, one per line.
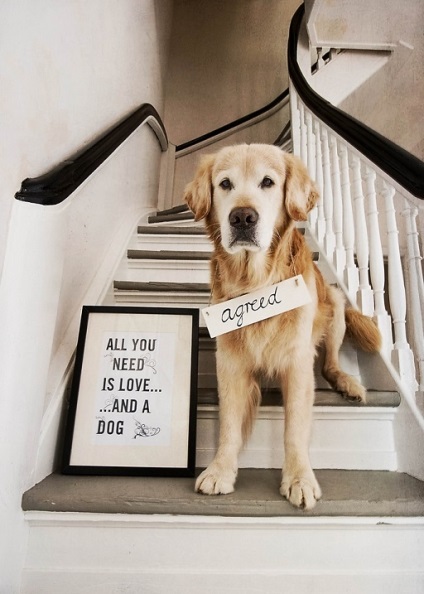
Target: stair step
(174,210)
(145,265)
(271,396)
(162,230)
(137,254)
(163,287)
(345,493)
(153,294)
(173,217)
(154,237)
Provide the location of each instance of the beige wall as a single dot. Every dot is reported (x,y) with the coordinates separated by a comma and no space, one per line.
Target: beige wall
(391,102)
(227,59)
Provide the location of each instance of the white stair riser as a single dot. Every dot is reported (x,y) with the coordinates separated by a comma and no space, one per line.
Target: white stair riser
(159,299)
(175,581)
(183,243)
(95,553)
(341,438)
(171,271)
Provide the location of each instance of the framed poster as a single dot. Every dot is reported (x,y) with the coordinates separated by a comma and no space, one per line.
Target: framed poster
(133,397)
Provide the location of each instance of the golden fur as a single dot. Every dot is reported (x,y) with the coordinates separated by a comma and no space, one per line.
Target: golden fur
(250,197)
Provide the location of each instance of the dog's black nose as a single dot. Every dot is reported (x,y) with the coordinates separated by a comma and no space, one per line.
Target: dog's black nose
(243,218)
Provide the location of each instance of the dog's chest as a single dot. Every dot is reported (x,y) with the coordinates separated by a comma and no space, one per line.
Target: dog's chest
(265,346)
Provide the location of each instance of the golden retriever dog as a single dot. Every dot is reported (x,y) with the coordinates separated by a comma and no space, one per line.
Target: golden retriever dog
(250,197)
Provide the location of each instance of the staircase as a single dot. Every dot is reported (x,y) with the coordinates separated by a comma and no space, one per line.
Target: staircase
(167,264)
(120,534)
(132,535)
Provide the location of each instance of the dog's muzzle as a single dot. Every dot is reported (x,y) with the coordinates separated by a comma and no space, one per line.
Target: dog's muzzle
(243,222)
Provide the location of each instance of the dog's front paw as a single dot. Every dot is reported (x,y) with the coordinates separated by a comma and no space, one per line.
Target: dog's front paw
(216,480)
(354,391)
(301,491)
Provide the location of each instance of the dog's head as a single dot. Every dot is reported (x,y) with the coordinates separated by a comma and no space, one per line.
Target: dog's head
(247,193)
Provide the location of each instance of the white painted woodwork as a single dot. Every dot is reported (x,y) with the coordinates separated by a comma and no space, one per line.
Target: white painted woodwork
(376,261)
(368,184)
(364,295)
(339,252)
(320,225)
(329,238)
(351,274)
(354,439)
(171,271)
(171,242)
(416,293)
(114,553)
(402,356)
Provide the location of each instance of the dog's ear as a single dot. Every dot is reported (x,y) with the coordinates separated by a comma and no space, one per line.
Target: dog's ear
(301,194)
(198,193)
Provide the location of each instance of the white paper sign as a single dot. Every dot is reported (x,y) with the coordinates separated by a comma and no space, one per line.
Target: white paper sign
(254,307)
(135,389)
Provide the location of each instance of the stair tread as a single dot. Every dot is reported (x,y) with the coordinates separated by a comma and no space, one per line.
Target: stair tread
(272,397)
(164,218)
(167,255)
(162,286)
(174,210)
(151,230)
(362,493)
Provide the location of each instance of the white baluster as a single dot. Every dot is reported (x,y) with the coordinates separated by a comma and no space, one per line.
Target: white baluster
(365,299)
(320,227)
(295,121)
(351,276)
(416,286)
(313,215)
(303,138)
(310,146)
(329,238)
(339,253)
(402,357)
(377,262)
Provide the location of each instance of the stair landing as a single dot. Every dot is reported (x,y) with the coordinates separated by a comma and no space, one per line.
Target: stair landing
(358,493)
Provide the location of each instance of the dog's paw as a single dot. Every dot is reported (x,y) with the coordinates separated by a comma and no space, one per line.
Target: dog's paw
(301,491)
(216,480)
(348,386)
(354,391)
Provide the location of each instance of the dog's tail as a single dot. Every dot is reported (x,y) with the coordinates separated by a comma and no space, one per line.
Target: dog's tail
(363,330)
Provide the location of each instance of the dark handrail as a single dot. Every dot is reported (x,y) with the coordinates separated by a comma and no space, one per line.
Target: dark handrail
(235,123)
(404,168)
(56,185)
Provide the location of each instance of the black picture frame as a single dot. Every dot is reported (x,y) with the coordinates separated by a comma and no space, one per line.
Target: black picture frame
(133,401)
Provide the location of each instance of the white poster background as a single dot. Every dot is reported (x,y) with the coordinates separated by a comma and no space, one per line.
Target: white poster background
(134,389)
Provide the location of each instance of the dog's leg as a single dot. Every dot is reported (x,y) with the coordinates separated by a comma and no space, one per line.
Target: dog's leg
(340,381)
(239,395)
(299,484)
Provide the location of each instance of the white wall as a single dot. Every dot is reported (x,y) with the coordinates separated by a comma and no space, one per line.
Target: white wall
(69,70)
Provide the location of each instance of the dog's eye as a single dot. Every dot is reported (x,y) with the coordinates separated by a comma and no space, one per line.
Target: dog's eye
(266,182)
(225,184)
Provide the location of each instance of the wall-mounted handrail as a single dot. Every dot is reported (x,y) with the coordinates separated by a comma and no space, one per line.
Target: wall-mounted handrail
(59,183)
(227,129)
(399,164)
